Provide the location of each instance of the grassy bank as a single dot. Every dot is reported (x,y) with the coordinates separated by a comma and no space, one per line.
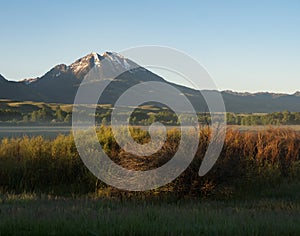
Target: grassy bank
(45,215)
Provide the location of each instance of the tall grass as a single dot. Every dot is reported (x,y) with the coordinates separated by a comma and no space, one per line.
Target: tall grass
(249,160)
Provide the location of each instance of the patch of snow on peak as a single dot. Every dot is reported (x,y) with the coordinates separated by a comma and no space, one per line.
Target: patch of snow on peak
(127,66)
(117,58)
(29,81)
(96,59)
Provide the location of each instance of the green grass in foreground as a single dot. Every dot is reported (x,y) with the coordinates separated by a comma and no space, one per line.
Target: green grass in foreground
(107,217)
(273,211)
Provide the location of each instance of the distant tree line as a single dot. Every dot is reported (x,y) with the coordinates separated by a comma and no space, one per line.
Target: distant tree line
(170,118)
(9,115)
(275,118)
(43,115)
(54,114)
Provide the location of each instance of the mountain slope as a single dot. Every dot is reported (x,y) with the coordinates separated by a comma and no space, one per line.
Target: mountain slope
(16,91)
(2,79)
(260,102)
(60,85)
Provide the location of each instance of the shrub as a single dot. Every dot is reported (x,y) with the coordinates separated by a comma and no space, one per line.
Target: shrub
(40,165)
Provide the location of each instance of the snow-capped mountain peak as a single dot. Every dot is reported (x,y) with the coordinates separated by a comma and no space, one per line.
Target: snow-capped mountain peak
(84,64)
(118,59)
(109,63)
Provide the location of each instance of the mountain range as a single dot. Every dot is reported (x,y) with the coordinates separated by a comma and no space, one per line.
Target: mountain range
(60,84)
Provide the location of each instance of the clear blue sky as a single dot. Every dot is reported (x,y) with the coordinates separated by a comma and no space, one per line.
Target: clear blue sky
(245,45)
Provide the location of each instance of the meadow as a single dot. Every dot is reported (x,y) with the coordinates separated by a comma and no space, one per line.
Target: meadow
(29,214)
(253,189)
